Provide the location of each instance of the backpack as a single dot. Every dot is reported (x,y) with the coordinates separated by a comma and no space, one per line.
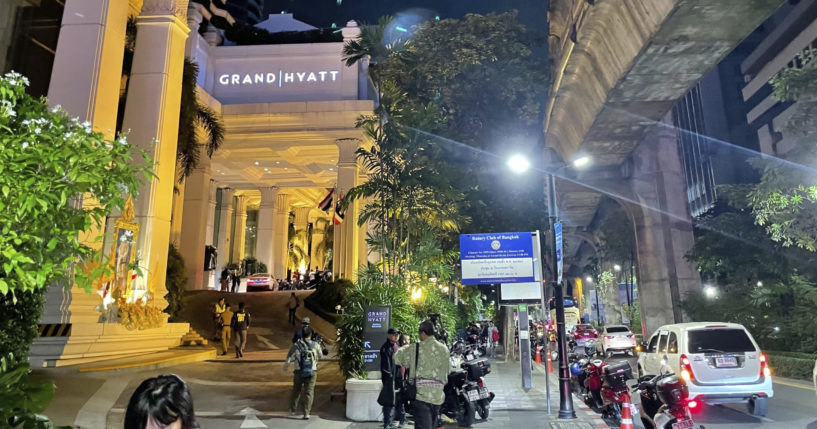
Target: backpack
(306,361)
(495,335)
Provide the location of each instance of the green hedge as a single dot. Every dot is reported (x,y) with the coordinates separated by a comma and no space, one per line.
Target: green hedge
(791,364)
(326,297)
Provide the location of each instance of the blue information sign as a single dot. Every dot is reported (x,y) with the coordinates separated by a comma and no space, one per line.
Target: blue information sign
(496,258)
(557,229)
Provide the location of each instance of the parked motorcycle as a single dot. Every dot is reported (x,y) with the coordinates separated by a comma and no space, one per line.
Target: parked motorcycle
(665,402)
(465,391)
(614,390)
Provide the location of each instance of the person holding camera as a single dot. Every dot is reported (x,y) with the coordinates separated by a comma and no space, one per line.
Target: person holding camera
(427,365)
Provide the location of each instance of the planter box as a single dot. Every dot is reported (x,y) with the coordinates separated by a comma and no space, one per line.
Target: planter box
(361,400)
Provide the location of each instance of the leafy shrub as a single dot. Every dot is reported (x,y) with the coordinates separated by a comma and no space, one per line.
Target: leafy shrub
(326,297)
(176,282)
(370,290)
(22,401)
(18,325)
(787,365)
(250,266)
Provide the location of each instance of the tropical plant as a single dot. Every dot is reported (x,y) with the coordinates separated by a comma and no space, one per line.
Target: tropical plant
(22,400)
(324,248)
(176,283)
(298,244)
(250,265)
(47,160)
(18,327)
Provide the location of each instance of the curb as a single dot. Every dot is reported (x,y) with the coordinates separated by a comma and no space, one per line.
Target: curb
(583,412)
(199,356)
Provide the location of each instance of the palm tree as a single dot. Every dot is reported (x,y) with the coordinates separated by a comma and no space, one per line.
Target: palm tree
(326,246)
(297,243)
(193,113)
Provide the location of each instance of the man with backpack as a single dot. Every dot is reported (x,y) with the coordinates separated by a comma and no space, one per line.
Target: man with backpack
(293,305)
(305,353)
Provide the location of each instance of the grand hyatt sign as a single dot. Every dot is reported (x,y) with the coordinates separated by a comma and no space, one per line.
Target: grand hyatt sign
(279,78)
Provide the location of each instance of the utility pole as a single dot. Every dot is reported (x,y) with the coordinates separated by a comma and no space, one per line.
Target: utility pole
(565,397)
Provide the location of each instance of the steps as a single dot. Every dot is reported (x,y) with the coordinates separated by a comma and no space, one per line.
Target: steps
(193,338)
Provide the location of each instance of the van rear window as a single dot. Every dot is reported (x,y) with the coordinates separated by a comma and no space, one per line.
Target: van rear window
(720,341)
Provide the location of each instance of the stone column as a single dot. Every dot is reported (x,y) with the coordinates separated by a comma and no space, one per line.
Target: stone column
(663,229)
(240,233)
(194,222)
(280,226)
(210,280)
(265,241)
(85,82)
(347,235)
(87,67)
(152,117)
(224,228)
(318,226)
(194,19)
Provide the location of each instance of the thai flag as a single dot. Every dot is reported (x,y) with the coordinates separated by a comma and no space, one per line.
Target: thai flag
(326,202)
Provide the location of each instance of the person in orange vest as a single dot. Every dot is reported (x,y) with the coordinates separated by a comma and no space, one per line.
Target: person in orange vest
(240,325)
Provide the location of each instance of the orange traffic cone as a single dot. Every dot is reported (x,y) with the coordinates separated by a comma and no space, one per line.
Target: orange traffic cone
(550,365)
(538,355)
(626,414)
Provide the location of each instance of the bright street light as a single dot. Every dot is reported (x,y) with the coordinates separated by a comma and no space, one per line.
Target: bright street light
(710,291)
(518,164)
(617,267)
(759,283)
(581,161)
(588,279)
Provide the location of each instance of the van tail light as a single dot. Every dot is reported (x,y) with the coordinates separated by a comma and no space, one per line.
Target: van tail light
(686,369)
(765,371)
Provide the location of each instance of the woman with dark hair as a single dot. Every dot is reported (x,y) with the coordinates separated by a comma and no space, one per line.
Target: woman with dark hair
(162,402)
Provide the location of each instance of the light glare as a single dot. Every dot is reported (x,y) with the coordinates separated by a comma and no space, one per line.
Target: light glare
(518,164)
(581,161)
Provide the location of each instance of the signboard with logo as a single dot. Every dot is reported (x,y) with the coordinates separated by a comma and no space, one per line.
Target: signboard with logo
(378,319)
(529,292)
(496,258)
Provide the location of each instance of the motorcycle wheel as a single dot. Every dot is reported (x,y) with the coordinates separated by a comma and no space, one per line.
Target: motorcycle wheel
(483,409)
(465,418)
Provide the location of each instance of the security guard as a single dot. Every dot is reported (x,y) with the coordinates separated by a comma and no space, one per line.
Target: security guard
(240,324)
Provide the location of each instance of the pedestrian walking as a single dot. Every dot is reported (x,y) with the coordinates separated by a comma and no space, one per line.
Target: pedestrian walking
(494,339)
(305,353)
(161,402)
(236,280)
(300,332)
(293,305)
(217,312)
(427,366)
(240,325)
(391,378)
(226,328)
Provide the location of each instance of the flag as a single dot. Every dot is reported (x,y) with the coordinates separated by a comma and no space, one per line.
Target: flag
(339,215)
(326,202)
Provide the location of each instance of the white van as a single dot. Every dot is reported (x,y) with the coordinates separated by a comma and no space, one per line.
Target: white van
(720,362)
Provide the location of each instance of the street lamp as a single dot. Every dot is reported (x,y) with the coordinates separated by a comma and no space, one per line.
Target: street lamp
(518,163)
(710,291)
(617,267)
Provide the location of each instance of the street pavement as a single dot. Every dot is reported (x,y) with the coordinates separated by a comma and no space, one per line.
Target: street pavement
(794,406)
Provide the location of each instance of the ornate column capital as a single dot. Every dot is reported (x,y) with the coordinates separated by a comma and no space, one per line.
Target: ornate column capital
(269,195)
(241,205)
(282,203)
(347,150)
(177,8)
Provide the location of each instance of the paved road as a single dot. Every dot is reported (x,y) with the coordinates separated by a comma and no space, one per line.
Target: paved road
(794,406)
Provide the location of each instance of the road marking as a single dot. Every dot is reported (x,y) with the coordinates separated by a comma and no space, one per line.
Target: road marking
(267,342)
(94,412)
(799,386)
(248,383)
(250,418)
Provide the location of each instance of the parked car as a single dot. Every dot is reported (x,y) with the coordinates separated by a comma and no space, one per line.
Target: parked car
(261,281)
(720,363)
(582,333)
(617,338)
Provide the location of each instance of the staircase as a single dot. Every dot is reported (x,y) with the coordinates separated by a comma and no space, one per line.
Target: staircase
(193,338)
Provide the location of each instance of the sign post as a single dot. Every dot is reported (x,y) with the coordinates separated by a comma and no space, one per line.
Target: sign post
(378,319)
(524,347)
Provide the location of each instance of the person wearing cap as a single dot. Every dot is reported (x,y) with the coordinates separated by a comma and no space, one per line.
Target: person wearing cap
(427,362)
(300,332)
(391,377)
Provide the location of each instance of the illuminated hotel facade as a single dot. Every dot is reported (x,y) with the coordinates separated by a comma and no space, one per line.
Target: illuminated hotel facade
(289,113)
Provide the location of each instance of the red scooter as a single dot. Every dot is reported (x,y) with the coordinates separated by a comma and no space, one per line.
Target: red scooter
(606,388)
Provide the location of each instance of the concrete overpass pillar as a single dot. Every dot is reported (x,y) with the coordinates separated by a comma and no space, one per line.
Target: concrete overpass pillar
(265,240)
(663,228)
(225,224)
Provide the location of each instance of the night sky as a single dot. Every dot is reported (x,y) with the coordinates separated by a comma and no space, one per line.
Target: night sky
(322,13)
